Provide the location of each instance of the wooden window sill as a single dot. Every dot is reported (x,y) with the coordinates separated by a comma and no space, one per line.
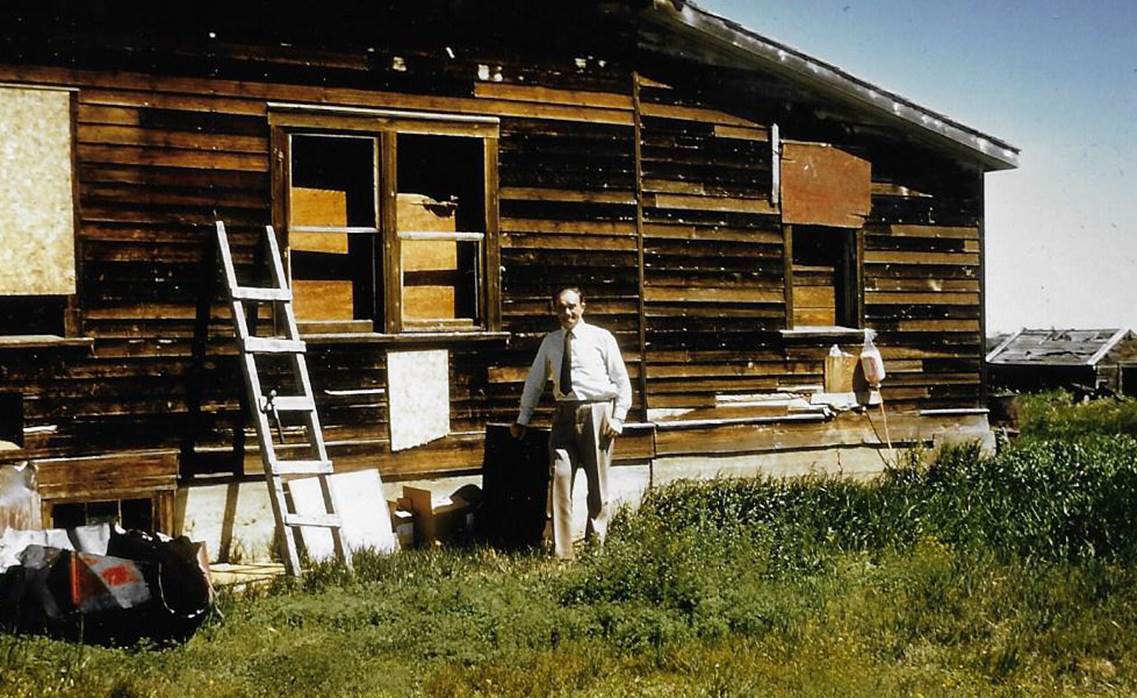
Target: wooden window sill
(406,338)
(830,332)
(42,341)
(955,412)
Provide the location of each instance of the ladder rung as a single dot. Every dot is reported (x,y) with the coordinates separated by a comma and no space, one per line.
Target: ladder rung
(253,293)
(321,520)
(289,403)
(273,345)
(301,467)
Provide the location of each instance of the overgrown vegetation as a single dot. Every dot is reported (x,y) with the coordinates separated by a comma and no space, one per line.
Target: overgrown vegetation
(965,575)
(1055,415)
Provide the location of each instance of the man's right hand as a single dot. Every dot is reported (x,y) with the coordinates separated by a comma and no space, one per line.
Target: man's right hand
(517,430)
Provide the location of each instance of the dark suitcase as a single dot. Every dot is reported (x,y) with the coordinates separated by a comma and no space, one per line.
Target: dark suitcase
(515,484)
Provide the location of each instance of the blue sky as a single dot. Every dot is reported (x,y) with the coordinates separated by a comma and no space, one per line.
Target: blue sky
(1056,78)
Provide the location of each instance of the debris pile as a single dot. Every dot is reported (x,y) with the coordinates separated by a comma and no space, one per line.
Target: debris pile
(103,585)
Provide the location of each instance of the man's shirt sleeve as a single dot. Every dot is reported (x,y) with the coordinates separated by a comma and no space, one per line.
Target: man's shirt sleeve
(534,383)
(618,373)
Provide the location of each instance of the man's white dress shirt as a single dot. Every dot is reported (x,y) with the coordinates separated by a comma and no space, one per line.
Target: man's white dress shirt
(598,371)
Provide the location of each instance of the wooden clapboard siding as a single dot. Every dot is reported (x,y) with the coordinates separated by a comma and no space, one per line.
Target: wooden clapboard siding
(655,196)
(713,268)
(159,153)
(922,280)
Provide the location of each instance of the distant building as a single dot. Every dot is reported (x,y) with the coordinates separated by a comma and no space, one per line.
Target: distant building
(1091,360)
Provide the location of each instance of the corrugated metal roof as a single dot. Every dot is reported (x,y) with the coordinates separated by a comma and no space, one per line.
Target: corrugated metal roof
(1057,347)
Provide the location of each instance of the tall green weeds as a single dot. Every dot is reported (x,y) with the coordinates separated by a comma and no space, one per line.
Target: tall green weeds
(962,574)
(1055,415)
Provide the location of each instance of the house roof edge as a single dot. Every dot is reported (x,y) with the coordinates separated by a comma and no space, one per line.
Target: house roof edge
(738,41)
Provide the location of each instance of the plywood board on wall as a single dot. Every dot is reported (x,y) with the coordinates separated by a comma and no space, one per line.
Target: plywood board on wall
(824,185)
(323,300)
(418,392)
(37,215)
(361,506)
(423,300)
(319,207)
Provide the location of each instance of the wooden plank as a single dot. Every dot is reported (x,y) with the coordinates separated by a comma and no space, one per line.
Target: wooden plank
(570,242)
(493,269)
(141,89)
(537,225)
(94,114)
(107,476)
(710,203)
(908,257)
(652,84)
(203,101)
(656,294)
(878,298)
(765,369)
(720,316)
(710,116)
(684,231)
(641,265)
(742,133)
(134,195)
(126,135)
(814,317)
(814,297)
(713,278)
(391,284)
(846,430)
(550,95)
(897,190)
(207,160)
(879,284)
(258,93)
(788,271)
(938,326)
(823,185)
(928,231)
(572,195)
(353,121)
(673,186)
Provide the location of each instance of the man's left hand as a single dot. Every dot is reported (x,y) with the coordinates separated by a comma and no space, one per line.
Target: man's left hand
(613,427)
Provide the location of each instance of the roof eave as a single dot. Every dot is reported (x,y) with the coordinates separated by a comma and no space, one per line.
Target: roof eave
(755,50)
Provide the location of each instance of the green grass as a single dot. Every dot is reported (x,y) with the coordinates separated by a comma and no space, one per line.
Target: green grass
(1014,575)
(1055,415)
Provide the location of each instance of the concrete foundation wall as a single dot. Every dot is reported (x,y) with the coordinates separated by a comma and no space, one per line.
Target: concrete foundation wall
(235,519)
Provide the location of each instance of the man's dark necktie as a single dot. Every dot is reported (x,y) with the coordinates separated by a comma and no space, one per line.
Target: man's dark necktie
(566,366)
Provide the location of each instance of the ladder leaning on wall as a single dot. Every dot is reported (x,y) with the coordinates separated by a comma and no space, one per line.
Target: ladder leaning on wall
(317,464)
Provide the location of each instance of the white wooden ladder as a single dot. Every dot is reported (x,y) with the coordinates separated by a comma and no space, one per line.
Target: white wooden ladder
(316,464)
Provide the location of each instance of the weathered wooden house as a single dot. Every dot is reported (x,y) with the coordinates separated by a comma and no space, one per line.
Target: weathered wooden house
(1084,361)
(731,206)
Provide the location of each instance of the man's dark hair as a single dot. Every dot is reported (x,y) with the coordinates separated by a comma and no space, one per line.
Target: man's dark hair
(557,291)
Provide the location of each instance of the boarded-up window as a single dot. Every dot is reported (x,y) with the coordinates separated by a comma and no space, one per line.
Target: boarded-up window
(825,287)
(441,226)
(332,228)
(390,221)
(37,219)
(823,185)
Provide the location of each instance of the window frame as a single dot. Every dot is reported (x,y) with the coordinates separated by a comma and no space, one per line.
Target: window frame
(852,273)
(286,120)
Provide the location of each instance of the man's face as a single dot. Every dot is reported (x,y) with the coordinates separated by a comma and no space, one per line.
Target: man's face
(568,308)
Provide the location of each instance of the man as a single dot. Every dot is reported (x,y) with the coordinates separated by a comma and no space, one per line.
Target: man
(593,395)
